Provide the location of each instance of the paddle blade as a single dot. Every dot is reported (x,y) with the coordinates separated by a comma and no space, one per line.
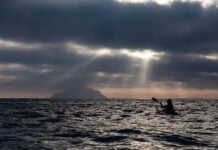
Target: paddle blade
(154,99)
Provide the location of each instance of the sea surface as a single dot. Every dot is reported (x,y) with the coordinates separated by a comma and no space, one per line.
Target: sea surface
(106,124)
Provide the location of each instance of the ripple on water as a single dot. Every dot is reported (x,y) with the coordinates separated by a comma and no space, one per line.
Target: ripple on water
(10,125)
(52,120)
(128,110)
(128,131)
(78,114)
(181,140)
(123,124)
(27,114)
(124,116)
(74,133)
(109,139)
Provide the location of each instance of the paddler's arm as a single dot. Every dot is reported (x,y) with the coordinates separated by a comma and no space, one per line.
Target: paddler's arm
(162,105)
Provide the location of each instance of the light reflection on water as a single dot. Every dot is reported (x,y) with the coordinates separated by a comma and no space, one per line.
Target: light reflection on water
(92,124)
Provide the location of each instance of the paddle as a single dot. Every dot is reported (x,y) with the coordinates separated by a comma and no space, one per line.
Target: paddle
(156,100)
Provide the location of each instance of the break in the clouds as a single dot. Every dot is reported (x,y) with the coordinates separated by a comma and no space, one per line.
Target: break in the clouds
(104,43)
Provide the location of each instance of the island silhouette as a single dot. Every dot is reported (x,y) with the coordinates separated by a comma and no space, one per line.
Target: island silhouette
(81,92)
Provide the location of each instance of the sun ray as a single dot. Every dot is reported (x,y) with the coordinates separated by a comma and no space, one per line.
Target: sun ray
(142,58)
(69,74)
(142,78)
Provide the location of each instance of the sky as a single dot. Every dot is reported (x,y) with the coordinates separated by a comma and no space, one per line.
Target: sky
(123,48)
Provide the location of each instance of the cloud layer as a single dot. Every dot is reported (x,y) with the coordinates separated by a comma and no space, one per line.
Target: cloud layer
(35,37)
(180,27)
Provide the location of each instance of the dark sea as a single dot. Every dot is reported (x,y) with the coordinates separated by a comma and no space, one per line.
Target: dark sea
(106,124)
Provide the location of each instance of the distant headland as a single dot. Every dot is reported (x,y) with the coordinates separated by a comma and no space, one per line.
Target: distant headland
(79,92)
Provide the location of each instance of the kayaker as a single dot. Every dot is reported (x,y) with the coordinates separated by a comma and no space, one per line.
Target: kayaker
(168,109)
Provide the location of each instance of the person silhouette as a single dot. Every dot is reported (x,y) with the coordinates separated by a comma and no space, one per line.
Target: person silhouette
(168,109)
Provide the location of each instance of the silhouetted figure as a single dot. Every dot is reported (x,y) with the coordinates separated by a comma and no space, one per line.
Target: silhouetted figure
(168,109)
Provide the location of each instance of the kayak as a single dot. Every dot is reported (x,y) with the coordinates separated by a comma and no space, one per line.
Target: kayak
(162,112)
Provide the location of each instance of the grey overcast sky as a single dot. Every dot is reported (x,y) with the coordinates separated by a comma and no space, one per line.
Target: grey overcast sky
(123,48)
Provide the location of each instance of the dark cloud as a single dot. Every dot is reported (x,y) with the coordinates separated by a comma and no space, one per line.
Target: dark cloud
(184,63)
(180,27)
(191,71)
(40,56)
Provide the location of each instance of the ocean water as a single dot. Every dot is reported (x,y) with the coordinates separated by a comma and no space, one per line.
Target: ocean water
(106,124)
